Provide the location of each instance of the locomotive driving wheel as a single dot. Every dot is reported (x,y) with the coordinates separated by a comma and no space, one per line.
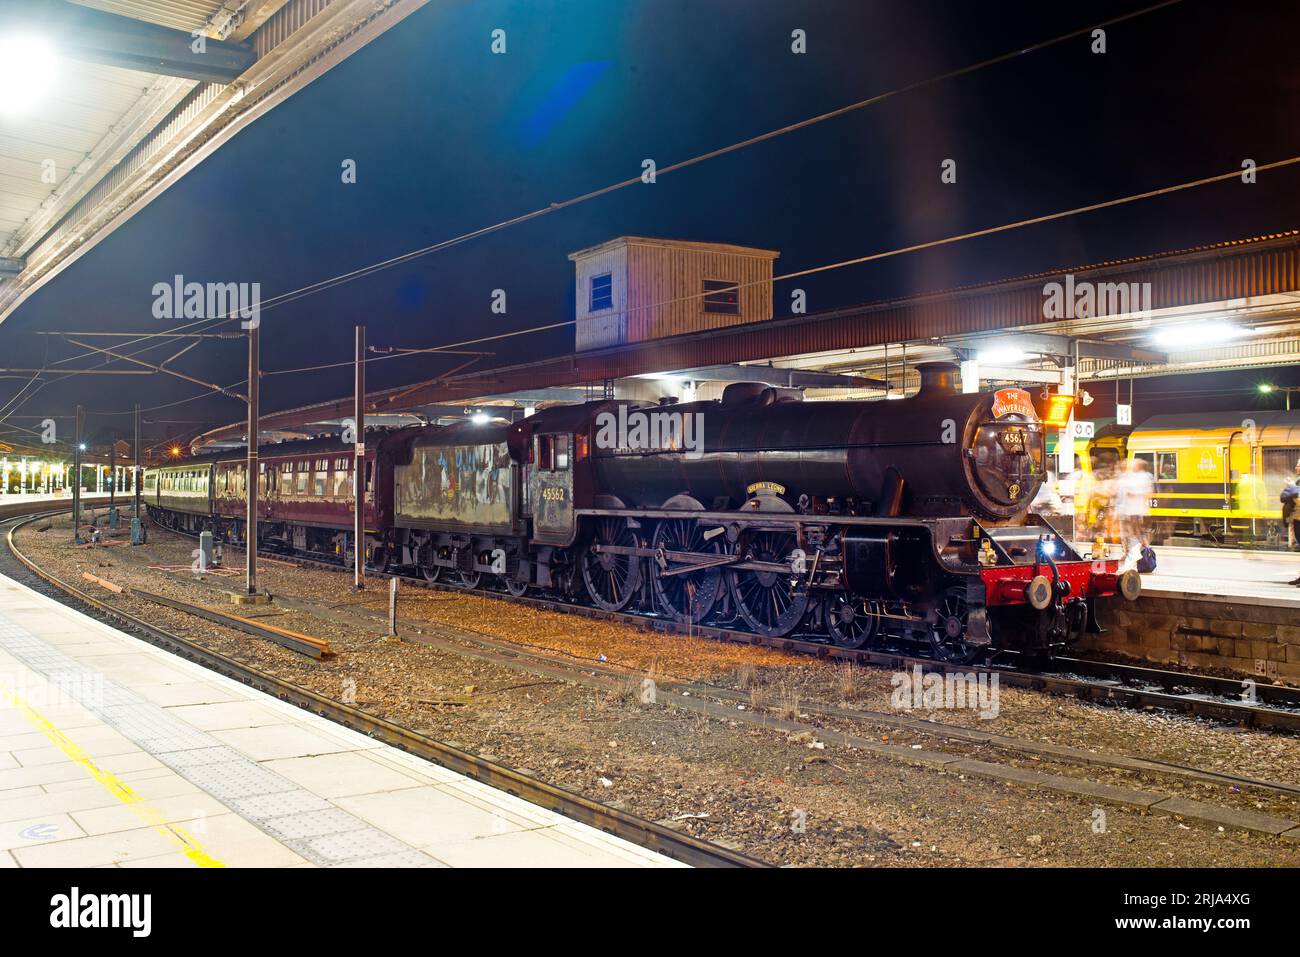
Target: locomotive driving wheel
(686,596)
(771,602)
(612,578)
(948,631)
(849,621)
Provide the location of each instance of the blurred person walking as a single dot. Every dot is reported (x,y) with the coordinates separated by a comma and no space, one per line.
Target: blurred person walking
(1133,490)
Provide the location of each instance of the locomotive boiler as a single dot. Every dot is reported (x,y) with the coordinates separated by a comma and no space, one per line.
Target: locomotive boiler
(938,453)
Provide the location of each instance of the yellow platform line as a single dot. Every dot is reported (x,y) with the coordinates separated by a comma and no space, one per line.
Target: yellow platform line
(115,786)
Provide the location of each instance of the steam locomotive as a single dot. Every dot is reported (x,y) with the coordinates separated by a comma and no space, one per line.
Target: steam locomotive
(867,523)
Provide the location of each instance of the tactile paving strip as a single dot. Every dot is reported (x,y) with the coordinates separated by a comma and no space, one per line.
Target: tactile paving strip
(304,822)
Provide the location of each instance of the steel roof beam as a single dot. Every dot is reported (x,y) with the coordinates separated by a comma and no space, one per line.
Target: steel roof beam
(775,375)
(99,37)
(1052,345)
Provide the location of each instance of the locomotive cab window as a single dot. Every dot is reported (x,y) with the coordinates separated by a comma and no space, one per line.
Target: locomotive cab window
(1166,467)
(561,452)
(546,453)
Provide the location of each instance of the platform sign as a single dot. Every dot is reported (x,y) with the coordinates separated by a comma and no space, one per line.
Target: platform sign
(1084,430)
(1123,415)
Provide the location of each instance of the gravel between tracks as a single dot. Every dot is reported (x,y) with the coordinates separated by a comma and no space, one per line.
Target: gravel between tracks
(722,780)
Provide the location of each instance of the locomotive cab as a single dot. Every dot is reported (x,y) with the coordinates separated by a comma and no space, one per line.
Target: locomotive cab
(550,486)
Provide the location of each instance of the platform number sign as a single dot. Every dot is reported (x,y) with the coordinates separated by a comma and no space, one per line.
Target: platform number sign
(1123,415)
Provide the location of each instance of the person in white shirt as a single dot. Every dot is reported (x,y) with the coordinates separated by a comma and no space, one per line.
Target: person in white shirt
(1133,491)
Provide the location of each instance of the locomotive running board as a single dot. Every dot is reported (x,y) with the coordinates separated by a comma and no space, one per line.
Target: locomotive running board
(689,559)
(752,517)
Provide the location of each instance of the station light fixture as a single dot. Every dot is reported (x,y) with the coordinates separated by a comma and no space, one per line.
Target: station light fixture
(480,418)
(1268,388)
(82,446)
(1058,409)
(1001,357)
(174,451)
(1197,335)
(27,69)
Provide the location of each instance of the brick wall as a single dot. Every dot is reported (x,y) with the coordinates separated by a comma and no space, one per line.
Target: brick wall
(1258,640)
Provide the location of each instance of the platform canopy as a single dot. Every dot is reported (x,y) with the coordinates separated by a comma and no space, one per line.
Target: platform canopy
(1228,305)
(105,103)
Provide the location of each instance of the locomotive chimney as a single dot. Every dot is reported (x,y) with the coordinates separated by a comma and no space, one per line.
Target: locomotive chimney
(937,378)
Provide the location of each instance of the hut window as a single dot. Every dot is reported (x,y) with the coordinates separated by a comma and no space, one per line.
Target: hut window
(721,295)
(602,292)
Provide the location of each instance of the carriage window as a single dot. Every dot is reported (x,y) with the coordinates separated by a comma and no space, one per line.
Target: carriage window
(1167,466)
(561,452)
(300,485)
(342,478)
(319,476)
(546,452)
(368,464)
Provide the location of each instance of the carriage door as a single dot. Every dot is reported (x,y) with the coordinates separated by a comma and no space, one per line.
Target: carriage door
(550,488)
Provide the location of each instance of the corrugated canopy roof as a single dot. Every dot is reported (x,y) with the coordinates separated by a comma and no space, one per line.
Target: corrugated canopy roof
(94,113)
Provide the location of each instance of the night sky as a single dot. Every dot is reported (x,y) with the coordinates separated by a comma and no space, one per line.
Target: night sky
(448,138)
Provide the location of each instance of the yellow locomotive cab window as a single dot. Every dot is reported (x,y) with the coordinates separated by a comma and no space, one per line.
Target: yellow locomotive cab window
(1167,466)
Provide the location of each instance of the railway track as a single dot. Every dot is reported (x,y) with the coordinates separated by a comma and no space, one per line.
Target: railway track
(691,694)
(1270,707)
(648,834)
(1126,779)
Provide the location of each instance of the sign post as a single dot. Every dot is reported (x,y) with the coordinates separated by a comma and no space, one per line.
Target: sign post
(359,466)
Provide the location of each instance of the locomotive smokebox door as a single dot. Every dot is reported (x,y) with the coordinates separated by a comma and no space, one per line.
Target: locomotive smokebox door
(550,487)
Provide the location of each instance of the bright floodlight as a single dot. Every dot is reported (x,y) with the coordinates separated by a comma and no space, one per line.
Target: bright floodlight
(1001,357)
(26,73)
(1265,388)
(480,418)
(1197,335)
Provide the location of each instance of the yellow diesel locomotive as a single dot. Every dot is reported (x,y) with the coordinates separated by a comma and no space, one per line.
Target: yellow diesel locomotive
(1217,474)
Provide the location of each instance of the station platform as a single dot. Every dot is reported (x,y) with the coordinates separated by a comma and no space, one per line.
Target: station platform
(12,499)
(1245,577)
(114,753)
